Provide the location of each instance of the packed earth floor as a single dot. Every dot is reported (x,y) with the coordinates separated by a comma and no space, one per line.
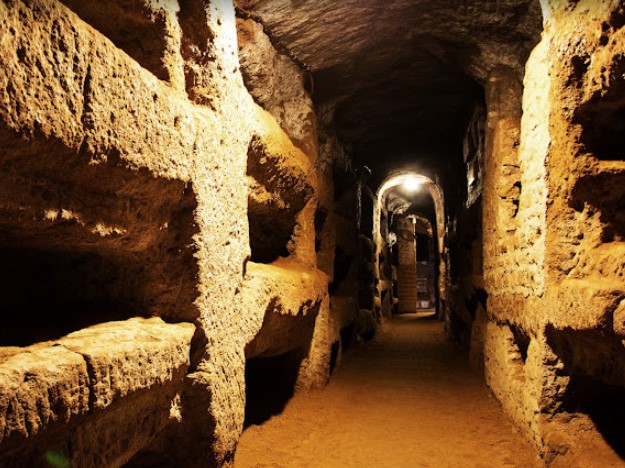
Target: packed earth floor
(406,399)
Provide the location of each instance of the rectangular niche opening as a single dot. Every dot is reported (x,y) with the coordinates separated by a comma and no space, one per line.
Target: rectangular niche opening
(321,216)
(596,380)
(278,191)
(602,118)
(83,244)
(269,385)
(48,294)
(604,404)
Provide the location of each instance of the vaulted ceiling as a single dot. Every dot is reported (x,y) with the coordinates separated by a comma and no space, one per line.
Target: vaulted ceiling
(399,78)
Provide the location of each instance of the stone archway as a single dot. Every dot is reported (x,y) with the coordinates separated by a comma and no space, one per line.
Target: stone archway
(381,242)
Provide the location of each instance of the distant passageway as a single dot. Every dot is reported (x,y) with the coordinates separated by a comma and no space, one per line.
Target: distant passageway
(407,399)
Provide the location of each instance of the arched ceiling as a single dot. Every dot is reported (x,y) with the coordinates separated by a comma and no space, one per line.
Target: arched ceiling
(399,78)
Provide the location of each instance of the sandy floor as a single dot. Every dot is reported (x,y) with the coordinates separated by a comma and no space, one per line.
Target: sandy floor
(407,399)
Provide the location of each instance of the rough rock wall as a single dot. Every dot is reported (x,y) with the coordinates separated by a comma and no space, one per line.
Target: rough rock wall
(142,170)
(339,246)
(554,350)
(279,86)
(94,397)
(467,297)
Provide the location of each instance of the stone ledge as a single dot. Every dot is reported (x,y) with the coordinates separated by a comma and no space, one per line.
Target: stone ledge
(87,370)
(282,302)
(41,385)
(146,352)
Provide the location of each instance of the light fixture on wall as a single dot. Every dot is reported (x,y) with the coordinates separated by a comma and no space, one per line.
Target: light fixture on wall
(411,184)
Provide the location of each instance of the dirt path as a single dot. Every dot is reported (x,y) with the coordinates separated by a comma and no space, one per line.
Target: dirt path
(407,399)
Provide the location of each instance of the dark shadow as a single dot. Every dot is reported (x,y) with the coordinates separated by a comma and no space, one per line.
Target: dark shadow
(596,379)
(366,219)
(521,340)
(321,216)
(115,242)
(47,295)
(270,384)
(334,355)
(277,195)
(603,117)
(342,265)
(274,357)
(347,336)
(368,334)
(604,192)
(604,404)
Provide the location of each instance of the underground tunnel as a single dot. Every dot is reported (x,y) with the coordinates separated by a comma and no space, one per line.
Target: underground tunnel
(309,233)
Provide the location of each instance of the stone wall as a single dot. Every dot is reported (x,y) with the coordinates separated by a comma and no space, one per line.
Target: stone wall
(554,349)
(137,169)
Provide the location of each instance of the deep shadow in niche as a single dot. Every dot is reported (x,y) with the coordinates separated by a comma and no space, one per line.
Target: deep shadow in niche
(366,217)
(269,385)
(342,266)
(603,117)
(100,242)
(603,403)
(321,215)
(334,355)
(521,339)
(49,294)
(278,191)
(604,192)
(596,379)
(58,278)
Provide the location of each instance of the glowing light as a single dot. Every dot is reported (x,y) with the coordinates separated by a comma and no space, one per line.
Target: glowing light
(411,184)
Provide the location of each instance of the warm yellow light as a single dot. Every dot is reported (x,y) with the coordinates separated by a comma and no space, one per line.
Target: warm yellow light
(411,184)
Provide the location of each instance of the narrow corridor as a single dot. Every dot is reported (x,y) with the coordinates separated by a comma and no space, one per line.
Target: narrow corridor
(203,203)
(406,399)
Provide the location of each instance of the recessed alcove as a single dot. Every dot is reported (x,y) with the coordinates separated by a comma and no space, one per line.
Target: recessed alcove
(269,385)
(603,192)
(278,191)
(48,294)
(603,403)
(602,117)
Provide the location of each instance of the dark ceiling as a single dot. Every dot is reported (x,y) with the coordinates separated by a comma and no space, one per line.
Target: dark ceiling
(400,78)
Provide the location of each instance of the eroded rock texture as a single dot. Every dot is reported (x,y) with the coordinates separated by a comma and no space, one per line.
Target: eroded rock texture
(535,283)
(186,200)
(140,178)
(94,397)
(554,355)
(277,84)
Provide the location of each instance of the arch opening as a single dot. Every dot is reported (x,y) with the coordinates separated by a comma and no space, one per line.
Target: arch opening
(409,237)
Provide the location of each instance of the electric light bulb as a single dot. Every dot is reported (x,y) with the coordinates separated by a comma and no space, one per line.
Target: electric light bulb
(411,184)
